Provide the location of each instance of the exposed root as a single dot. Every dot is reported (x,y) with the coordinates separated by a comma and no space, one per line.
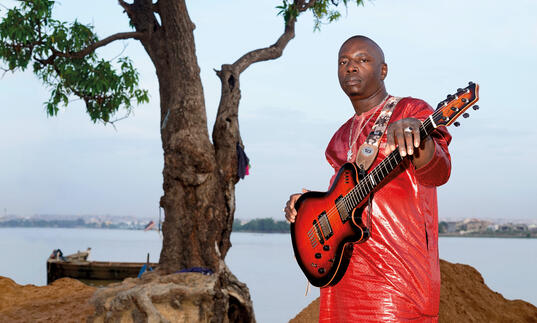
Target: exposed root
(180,297)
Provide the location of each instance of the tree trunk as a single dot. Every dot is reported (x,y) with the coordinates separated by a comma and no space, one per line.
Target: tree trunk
(199,177)
(198,218)
(198,198)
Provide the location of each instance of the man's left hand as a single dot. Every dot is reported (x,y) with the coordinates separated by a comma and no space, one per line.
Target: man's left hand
(404,135)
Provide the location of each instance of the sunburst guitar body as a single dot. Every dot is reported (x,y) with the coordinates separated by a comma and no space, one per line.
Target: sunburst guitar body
(329,224)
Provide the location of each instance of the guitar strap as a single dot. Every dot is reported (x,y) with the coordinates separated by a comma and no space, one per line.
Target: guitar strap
(369,149)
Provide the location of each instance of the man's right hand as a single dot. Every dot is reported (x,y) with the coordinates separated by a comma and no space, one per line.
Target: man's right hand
(290,212)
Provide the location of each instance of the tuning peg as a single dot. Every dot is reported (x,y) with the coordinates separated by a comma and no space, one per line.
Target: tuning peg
(441,104)
(459,90)
(450,97)
(465,115)
(456,124)
(470,83)
(475,107)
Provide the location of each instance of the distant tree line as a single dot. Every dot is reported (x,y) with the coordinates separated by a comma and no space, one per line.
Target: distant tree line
(29,223)
(66,223)
(266,225)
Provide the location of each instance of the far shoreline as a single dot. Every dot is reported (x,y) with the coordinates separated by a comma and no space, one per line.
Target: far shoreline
(440,235)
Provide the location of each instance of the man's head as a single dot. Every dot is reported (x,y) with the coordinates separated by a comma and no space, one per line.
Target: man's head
(361,68)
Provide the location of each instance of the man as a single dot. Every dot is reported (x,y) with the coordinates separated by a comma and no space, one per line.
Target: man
(395,275)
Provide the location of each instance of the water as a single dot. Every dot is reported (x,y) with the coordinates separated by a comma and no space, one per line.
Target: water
(263,261)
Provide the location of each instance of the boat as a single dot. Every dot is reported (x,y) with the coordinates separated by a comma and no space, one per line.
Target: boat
(93,273)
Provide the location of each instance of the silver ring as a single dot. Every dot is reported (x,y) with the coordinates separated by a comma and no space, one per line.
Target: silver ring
(408,130)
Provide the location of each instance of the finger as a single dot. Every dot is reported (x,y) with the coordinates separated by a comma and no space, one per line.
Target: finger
(305,190)
(408,133)
(400,139)
(288,215)
(290,207)
(416,133)
(390,142)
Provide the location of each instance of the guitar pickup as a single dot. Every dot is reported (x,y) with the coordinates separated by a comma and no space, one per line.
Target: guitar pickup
(342,210)
(325,226)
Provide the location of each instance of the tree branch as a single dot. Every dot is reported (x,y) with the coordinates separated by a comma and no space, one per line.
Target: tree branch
(103,42)
(264,54)
(275,50)
(124,5)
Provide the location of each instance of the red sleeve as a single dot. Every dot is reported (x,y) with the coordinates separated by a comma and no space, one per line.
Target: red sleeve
(436,172)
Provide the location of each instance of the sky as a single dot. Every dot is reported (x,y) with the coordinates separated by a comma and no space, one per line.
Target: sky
(289,110)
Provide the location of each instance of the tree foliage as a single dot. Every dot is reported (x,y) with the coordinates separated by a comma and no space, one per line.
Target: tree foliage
(265,225)
(62,55)
(324,11)
(199,174)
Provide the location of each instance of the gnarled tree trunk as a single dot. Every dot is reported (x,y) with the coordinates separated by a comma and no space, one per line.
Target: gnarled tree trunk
(199,176)
(195,228)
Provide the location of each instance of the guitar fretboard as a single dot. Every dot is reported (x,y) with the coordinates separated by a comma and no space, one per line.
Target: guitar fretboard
(367,184)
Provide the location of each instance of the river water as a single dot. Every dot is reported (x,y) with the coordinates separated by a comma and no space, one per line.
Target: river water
(263,261)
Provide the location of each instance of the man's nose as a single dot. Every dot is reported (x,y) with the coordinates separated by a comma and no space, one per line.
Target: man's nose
(352,68)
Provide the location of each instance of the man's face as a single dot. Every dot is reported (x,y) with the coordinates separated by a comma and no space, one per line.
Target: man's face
(361,68)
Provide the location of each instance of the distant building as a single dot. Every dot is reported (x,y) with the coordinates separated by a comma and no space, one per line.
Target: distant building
(472,225)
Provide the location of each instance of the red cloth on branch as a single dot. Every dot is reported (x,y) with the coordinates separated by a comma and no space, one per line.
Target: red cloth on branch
(395,275)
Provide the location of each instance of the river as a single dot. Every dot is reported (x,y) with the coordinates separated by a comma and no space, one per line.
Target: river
(264,262)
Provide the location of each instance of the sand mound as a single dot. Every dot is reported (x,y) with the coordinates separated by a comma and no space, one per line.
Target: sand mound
(65,300)
(464,297)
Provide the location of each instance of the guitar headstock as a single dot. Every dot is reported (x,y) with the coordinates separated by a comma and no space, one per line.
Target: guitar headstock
(455,105)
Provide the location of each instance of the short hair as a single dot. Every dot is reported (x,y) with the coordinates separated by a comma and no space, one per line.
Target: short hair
(369,40)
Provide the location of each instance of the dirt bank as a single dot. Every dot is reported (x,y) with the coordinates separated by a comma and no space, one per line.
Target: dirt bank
(464,297)
(65,300)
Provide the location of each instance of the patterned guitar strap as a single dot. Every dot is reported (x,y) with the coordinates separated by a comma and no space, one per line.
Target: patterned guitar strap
(369,149)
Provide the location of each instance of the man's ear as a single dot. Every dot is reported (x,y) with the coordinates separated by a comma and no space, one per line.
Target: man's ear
(384,71)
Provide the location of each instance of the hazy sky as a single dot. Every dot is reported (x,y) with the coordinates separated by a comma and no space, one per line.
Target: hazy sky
(290,108)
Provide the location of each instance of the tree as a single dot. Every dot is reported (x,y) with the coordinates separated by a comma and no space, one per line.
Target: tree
(199,174)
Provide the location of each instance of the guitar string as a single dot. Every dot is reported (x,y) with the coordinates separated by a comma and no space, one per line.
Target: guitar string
(361,186)
(375,172)
(366,184)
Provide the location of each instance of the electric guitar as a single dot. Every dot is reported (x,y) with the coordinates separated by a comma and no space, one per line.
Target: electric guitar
(328,224)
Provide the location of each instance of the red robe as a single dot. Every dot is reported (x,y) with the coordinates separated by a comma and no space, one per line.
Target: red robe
(395,275)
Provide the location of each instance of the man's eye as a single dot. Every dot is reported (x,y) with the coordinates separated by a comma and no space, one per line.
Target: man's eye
(363,60)
(342,62)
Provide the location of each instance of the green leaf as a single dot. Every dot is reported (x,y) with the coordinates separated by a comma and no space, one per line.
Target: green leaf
(28,34)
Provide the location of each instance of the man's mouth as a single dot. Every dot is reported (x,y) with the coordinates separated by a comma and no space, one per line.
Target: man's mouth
(352,81)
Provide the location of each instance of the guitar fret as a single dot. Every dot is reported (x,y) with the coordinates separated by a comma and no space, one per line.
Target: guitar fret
(353,199)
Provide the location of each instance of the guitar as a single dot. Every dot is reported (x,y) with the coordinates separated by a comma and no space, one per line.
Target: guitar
(328,224)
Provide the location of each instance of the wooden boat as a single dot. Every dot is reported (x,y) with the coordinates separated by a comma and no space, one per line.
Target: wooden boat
(94,273)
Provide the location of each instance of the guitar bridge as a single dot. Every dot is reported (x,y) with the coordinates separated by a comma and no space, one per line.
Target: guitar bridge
(312,238)
(318,231)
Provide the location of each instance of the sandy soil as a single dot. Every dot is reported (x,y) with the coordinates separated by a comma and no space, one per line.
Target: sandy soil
(65,300)
(464,297)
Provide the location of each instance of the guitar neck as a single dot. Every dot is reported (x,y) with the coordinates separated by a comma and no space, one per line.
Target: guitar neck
(379,173)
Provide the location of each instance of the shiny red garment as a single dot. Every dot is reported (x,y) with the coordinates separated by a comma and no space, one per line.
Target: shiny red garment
(395,275)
